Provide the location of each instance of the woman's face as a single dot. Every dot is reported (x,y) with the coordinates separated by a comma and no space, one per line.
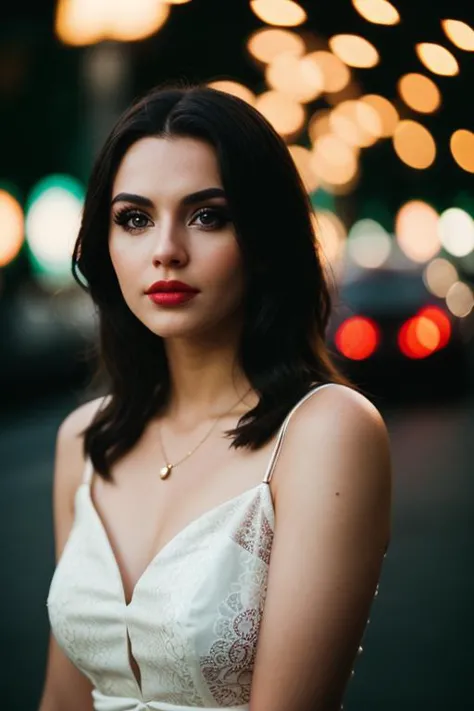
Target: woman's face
(170,221)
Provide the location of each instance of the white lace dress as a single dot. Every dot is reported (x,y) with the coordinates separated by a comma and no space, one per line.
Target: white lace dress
(192,625)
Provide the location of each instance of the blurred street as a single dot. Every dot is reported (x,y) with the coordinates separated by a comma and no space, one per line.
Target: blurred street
(370,99)
(416,655)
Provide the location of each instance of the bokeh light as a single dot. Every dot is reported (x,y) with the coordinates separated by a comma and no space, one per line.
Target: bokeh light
(285,114)
(284,13)
(357,337)
(437,59)
(416,230)
(462,149)
(414,144)
(460,299)
(439,275)
(336,74)
(234,88)
(79,24)
(380,12)
(419,337)
(83,22)
(419,93)
(319,124)
(333,161)
(387,112)
(133,21)
(302,159)
(357,123)
(368,244)
(354,51)
(350,92)
(331,235)
(53,218)
(456,231)
(460,34)
(290,75)
(266,44)
(437,316)
(11,227)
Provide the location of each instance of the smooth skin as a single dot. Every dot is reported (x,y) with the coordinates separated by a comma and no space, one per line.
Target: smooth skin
(332,484)
(65,686)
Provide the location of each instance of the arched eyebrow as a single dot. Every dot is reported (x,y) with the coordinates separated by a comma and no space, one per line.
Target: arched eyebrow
(190,199)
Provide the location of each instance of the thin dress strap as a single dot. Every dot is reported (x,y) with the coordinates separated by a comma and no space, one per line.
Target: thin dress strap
(281,434)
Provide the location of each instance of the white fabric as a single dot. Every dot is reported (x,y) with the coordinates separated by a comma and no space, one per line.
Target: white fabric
(194,616)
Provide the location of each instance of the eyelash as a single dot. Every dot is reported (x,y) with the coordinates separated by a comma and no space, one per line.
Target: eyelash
(125,214)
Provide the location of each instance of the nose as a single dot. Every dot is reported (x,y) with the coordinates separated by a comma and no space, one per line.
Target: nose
(169,248)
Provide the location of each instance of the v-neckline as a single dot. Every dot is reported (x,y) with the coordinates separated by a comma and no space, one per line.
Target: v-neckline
(169,544)
(127,605)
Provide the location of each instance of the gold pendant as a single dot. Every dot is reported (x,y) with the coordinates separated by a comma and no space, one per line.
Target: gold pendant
(166,471)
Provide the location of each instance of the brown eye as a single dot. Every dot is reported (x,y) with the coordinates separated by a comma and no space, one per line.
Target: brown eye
(131,220)
(211,218)
(137,220)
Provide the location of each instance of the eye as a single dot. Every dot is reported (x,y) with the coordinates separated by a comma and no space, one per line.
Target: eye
(131,219)
(211,218)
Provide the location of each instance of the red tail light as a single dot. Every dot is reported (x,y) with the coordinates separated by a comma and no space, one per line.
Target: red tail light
(441,319)
(357,337)
(425,333)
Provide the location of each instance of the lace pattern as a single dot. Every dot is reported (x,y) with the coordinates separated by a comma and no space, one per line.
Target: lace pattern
(194,620)
(228,666)
(255,533)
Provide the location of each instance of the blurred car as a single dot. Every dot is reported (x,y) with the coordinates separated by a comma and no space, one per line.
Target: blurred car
(390,333)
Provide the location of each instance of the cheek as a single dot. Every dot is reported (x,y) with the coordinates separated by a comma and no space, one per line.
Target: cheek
(224,266)
(124,269)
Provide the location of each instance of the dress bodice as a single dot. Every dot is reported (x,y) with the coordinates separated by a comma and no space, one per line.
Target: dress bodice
(192,624)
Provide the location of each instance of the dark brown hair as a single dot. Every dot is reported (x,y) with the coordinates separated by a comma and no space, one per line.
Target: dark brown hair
(287,302)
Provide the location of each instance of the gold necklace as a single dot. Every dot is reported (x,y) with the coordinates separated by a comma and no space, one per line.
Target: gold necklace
(166,470)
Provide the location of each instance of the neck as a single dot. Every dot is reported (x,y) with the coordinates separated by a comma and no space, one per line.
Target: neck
(206,380)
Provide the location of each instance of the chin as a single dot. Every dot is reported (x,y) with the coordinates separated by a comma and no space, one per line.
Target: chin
(192,323)
(175,325)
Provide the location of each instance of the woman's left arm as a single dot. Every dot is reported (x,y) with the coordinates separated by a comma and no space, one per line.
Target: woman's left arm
(332,491)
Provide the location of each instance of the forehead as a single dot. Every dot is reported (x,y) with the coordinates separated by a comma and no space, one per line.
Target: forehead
(167,166)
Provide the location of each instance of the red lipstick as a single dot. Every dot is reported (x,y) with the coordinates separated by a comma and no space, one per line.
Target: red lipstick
(171,293)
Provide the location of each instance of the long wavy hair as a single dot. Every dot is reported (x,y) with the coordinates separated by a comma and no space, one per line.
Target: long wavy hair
(287,302)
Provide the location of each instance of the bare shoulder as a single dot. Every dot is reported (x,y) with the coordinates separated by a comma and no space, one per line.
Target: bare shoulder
(332,495)
(339,422)
(76,421)
(69,457)
(340,406)
(337,448)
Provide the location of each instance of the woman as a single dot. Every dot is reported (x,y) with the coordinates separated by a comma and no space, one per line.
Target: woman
(221,517)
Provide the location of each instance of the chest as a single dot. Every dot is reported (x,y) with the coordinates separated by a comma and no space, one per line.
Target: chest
(199,600)
(142,513)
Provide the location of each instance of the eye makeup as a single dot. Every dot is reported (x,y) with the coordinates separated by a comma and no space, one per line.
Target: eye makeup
(207,218)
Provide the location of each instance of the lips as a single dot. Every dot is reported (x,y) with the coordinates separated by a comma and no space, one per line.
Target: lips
(172,286)
(171,298)
(171,293)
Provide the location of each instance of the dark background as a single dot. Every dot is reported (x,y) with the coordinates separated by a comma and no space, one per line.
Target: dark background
(417,648)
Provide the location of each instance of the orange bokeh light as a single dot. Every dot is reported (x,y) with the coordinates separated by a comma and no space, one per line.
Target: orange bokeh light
(414,144)
(357,337)
(438,317)
(425,333)
(462,148)
(437,59)
(418,337)
(354,50)
(285,13)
